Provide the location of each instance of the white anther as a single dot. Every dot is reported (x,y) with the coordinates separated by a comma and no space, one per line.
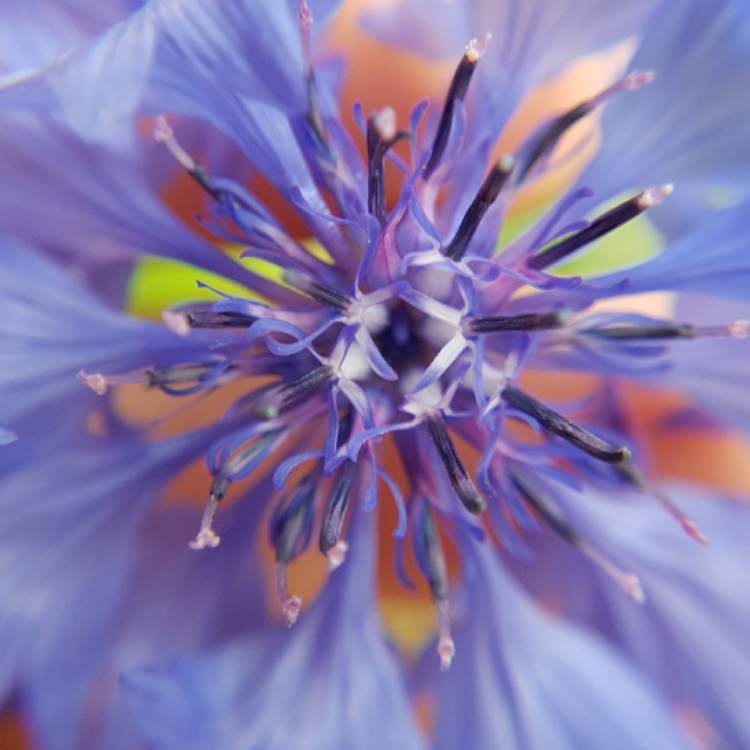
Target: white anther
(207,537)
(739,329)
(446,651)
(637,80)
(337,554)
(96,381)
(163,133)
(177,322)
(384,122)
(477,47)
(290,609)
(654,196)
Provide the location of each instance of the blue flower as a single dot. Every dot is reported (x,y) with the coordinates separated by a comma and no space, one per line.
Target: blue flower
(388,316)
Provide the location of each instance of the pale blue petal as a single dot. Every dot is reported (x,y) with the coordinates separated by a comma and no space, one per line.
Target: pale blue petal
(524,680)
(689,126)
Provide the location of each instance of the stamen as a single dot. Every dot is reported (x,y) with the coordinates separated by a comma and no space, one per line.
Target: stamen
(333,521)
(431,560)
(337,554)
(564,428)
(635,477)
(99,383)
(292,393)
(545,140)
(207,537)
(524,322)
(550,514)
(163,133)
(181,322)
(462,483)
(738,329)
(290,604)
(604,224)
(628,582)
(487,195)
(446,649)
(289,527)
(323,294)
(456,92)
(381,135)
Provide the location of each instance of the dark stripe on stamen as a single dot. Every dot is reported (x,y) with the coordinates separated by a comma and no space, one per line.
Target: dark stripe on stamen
(549,513)
(641,333)
(462,484)
(524,322)
(547,138)
(487,195)
(456,92)
(330,297)
(604,224)
(177,374)
(431,554)
(291,522)
(320,292)
(207,319)
(381,135)
(564,428)
(297,390)
(333,521)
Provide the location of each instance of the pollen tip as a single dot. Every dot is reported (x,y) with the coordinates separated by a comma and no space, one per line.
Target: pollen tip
(739,329)
(693,531)
(446,650)
(162,130)
(207,538)
(632,585)
(96,381)
(306,18)
(290,609)
(337,554)
(625,454)
(477,47)
(177,322)
(637,79)
(385,124)
(506,163)
(655,195)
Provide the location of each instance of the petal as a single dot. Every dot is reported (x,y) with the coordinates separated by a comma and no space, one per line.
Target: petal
(687,127)
(338,680)
(690,637)
(524,680)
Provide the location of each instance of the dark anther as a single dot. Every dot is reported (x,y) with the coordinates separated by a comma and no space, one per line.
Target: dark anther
(564,428)
(460,479)
(291,522)
(456,92)
(487,195)
(324,294)
(208,319)
(524,322)
(429,554)
(546,139)
(381,135)
(333,521)
(641,333)
(549,513)
(291,393)
(604,224)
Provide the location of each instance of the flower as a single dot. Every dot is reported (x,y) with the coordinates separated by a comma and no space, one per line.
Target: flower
(388,316)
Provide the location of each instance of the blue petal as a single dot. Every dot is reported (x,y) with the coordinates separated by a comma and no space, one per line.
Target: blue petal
(691,636)
(524,680)
(715,259)
(532,40)
(339,686)
(33,34)
(689,125)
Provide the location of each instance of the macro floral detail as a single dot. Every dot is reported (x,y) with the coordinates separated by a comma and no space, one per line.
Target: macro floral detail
(349,344)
